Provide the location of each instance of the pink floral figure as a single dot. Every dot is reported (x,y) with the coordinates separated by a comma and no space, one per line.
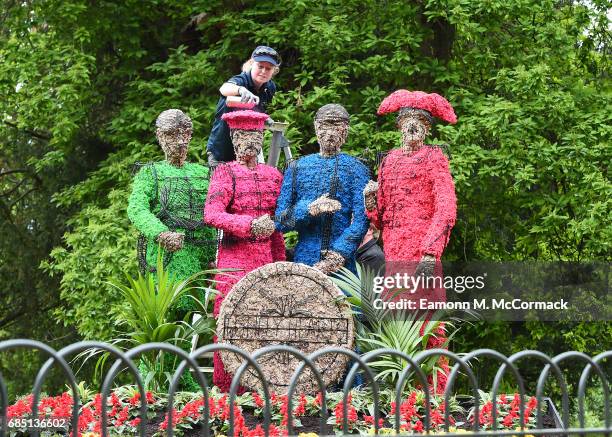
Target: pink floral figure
(241,200)
(413,203)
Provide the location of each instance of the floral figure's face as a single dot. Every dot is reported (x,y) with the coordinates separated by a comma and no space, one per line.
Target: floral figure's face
(247,143)
(331,135)
(174,143)
(414,126)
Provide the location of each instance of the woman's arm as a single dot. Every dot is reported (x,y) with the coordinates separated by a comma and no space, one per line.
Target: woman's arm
(229,89)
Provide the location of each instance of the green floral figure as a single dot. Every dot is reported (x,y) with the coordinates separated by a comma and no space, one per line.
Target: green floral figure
(167,204)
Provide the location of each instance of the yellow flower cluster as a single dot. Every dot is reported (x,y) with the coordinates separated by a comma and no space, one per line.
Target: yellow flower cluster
(451,430)
(381,431)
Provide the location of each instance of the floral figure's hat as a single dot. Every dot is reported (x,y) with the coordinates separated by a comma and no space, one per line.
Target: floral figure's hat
(245,120)
(433,103)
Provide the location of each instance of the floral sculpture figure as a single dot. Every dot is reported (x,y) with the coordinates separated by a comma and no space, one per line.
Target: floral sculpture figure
(322,198)
(167,200)
(241,200)
(413,203)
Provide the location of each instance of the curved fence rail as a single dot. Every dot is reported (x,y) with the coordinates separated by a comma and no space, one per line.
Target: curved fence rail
(128,360)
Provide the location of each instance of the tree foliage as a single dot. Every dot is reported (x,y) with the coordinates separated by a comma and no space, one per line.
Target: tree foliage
(81,85)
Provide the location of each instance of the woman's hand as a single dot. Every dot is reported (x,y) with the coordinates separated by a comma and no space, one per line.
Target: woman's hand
(246,96)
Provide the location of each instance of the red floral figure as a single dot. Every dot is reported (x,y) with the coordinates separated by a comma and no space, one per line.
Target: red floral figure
(413,203)
(241,201)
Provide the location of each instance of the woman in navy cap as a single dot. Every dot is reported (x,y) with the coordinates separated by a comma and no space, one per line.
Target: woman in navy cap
(254,86)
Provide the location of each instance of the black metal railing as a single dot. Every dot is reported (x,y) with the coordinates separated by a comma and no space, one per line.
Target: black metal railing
(126,360)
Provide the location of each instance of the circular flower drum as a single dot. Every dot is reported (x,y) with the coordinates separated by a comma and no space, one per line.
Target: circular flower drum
(290,304)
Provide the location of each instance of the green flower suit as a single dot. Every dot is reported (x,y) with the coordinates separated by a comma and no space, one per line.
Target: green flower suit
(168,198)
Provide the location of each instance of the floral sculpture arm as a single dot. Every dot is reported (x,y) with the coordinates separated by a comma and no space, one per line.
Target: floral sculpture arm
(262,226)
(324,204)
(220,194)
(445,207)
(291,213)
(373,200)
(350,239)
(278,247)
(139,206)
(332,261)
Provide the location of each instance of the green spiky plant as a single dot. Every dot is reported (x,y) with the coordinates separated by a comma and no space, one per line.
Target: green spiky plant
(84,392)
(378,328)
(147,313)
(147,317)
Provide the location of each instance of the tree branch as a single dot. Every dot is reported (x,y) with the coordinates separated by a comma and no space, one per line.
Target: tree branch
(12,190)
(39,135)
(7,213)
(17,170)
(10,319)
(15,316)
(21,197)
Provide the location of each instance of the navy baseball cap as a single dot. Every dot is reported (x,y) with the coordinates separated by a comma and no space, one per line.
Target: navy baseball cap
(266,54)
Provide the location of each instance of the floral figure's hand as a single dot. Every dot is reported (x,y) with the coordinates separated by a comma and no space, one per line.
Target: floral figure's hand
(426,266)
(171,241)
(331,262)
(369,195)
(262,226)
(323,204)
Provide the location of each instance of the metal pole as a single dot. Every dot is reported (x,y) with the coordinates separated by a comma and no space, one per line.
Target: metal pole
(278,142)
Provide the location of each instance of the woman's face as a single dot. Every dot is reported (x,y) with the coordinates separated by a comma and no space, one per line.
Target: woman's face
(261,72)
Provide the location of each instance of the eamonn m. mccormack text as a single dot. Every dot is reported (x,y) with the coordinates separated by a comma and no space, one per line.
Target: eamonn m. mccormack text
(518,304)
(476,304)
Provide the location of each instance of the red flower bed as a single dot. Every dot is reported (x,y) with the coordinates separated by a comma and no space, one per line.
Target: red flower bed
(188,414)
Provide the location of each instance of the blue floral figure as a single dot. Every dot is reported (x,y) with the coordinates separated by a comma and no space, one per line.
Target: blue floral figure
(322,198)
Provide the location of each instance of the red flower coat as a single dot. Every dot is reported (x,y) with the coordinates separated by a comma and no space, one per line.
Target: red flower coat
(416,204)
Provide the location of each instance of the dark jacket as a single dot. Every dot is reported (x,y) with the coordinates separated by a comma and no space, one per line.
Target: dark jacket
(370,255)
(219,142)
